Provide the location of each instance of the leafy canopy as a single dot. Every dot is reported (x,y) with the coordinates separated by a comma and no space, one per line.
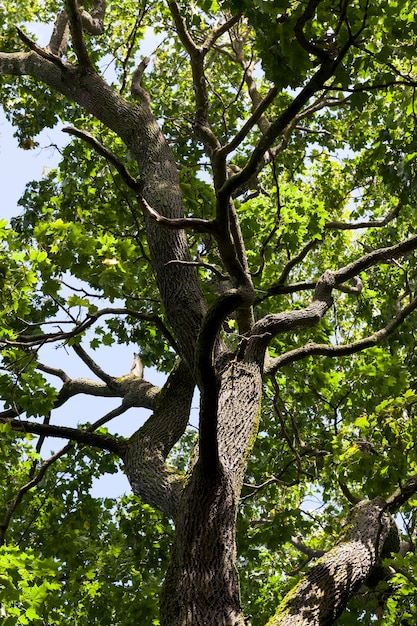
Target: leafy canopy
(338,182)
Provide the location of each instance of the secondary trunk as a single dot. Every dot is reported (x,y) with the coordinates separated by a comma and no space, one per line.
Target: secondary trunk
(321,596)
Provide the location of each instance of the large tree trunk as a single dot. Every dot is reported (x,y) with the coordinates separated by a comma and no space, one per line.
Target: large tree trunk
(202,584)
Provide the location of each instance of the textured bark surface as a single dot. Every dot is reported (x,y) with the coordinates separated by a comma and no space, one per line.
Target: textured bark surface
(322,594)
(148,448)
(202,584)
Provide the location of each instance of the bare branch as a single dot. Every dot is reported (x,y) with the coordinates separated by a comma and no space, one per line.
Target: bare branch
(197,55)
(185,37)
(147,450)
(104,152)
(225,304)
(310,552)
(83,436)
(315,84)
(178,223)
(366,224)
(292,263)
(207,266)
(348,494)
(249,124)
(273,324)
(59,39)
(92,365)
(44,53)
(136,88)
(28,341)
(311,349)
(216,33)
(93,22)
(77,33)
(54,372)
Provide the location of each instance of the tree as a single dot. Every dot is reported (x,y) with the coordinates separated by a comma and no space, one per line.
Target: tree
(239,212)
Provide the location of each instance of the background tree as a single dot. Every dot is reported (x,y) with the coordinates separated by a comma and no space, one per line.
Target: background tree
(249,236)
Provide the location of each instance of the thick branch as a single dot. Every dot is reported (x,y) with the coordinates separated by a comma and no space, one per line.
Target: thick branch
(216,33)
(207,378)
(77,32)
(148,448)
(59,39)
(272,324)
(311,349)
(83,436)
(320,597)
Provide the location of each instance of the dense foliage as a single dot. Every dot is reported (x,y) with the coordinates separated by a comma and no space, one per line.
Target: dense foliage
(303,116)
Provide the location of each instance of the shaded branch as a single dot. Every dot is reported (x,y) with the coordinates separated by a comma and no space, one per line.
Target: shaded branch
(207,380)
(59,39)
(135,88)
(291,264)
(104,152)
(401,495)
(93,21)
(77,33)
(147,450)
(83,436)
(310,47)
(310,552)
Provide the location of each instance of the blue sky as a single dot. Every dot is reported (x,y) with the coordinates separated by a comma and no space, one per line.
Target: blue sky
(17,168)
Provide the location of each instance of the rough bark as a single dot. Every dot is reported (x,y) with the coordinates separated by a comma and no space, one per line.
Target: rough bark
(148,448)
(321,596)
(202,585)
